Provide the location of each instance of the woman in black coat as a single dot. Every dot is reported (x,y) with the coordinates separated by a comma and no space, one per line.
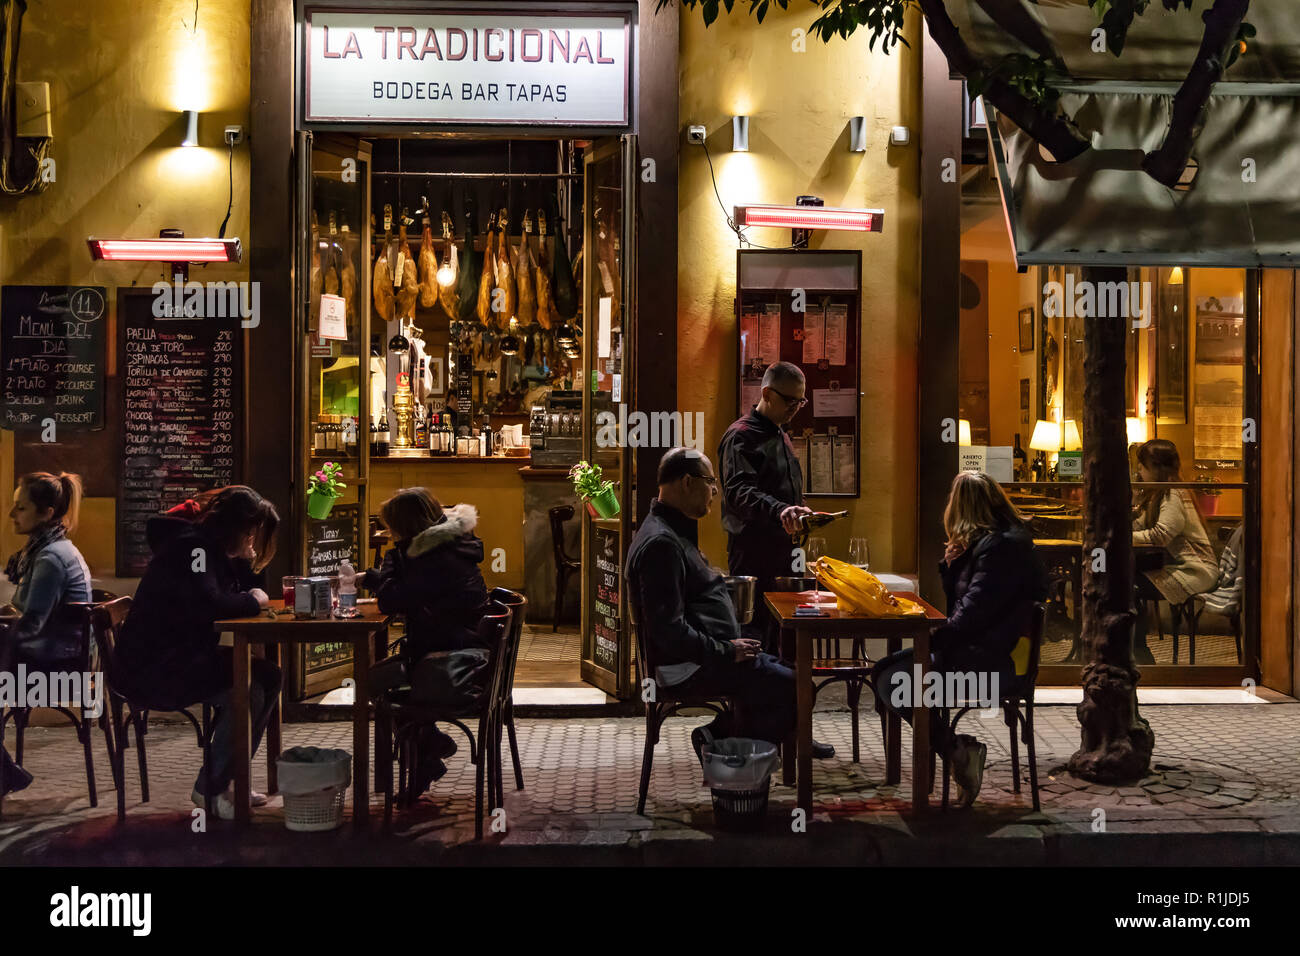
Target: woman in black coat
(991,576)
(168,652)
(430,576)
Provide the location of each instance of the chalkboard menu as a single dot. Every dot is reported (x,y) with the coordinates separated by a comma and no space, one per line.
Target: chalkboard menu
(52,343)
(180,389)
(464,388)
(334,539)
(605,618)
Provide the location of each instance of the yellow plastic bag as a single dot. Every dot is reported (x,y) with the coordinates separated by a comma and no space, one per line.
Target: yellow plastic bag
(860,592)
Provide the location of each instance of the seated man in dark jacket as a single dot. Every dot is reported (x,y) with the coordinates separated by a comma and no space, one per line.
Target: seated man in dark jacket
(683,608)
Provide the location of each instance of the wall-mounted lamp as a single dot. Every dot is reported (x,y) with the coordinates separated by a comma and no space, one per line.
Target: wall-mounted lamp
(740,134)
(191,128)
(1176,276)
(857,134)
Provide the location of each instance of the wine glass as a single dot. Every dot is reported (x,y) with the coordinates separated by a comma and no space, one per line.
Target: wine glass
(816,549)
(859,554)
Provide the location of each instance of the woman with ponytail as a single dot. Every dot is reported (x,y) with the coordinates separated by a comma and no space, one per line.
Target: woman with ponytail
(48,573)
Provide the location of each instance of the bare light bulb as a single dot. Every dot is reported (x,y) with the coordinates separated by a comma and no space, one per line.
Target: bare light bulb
(445,276)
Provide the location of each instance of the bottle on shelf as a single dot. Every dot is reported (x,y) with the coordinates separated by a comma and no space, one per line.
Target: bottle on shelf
(374,438)
(420,429)
(435,433)
(318,437)
(487,435)
(382,443)
(1019,461)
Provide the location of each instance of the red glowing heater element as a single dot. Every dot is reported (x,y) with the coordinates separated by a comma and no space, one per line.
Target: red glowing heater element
(811,217)
(166,250)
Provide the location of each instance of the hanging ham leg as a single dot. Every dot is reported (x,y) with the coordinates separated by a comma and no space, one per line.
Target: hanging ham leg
(409,291)
(508,298)
(428,268)
(487,280)
(448,296)
(545,304)
(525,276)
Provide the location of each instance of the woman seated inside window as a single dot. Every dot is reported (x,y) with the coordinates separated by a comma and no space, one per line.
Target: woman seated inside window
(48,573)
(169,652)
(992,576)
(431,577)
(1170,518)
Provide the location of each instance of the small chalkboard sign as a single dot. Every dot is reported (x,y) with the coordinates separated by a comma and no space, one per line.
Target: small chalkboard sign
(52,344)
(334,539)
(605,582)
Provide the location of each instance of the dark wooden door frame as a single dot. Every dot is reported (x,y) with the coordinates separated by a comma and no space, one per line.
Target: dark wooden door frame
(937,352)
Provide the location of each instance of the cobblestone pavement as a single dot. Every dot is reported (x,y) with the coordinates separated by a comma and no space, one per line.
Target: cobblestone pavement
(1218,770)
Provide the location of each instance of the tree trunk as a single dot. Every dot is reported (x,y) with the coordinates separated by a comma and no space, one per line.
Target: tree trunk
(1115,742)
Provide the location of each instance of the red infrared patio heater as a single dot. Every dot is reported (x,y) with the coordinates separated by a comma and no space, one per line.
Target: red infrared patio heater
(170,246)
(807,216)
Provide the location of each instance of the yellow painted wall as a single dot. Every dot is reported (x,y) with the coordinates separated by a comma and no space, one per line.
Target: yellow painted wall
(120,72)
(800,105)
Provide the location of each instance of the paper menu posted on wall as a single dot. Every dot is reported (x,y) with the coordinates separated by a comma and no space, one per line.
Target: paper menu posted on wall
(834,403)
(844,462)
(837,322)
(749,345)
(820,479)
(333,317)
(769,336)
(814,336)
(603,327)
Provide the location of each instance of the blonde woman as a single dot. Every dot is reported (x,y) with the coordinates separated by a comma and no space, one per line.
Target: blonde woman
(1170,518)
(991,577)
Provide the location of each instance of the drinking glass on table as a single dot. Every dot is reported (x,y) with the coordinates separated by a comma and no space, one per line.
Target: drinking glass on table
(816,549)
(859,555)
(287,585)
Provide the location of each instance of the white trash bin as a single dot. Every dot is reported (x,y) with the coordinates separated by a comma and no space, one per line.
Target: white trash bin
(738,772)
(314,781)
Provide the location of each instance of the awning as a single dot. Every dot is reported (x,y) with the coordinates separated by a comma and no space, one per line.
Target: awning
(1101,208)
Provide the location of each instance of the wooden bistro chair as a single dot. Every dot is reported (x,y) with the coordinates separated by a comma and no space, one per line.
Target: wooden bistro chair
(517,604)
(1010,698)
(831,666)
(127,709)
(85,661)
(565,566)
(665,703)
(406,718)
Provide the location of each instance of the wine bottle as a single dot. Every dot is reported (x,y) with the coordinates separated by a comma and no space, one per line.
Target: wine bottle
(819,519)
(1020,461)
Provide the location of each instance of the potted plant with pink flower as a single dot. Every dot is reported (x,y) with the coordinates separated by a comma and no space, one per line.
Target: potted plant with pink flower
(323,489)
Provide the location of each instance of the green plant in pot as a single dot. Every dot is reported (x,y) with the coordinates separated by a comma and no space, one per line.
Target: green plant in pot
(599,494)
(323,489)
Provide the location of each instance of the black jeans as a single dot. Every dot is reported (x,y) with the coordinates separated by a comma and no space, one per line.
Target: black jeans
(762,689)
(882,679)
(263,692)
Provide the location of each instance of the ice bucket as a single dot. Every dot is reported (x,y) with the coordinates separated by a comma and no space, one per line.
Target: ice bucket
(742,588)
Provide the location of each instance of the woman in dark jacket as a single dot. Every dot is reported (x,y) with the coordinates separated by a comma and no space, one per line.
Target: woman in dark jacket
(48,573)
(169,653)
(991,576)
(431,577)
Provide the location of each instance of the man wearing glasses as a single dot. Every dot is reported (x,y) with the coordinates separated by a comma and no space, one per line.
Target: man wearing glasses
(683,610)
(762,493)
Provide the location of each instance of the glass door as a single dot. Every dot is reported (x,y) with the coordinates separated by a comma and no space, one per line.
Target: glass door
(608,298)
(333,310)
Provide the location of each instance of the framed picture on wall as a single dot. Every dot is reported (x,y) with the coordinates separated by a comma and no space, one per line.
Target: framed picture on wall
(1027,329)
(438,372)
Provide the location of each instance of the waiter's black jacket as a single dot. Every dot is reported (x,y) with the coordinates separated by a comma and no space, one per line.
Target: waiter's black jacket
(761,477)
(990,587)
(679,601)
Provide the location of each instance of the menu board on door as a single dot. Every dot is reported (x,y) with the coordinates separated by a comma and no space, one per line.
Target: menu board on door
(605,621)
(53,344)
(330,541)
(180,388)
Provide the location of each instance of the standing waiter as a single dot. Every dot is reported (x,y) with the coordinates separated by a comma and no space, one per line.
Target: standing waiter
(762,483)
(762,494)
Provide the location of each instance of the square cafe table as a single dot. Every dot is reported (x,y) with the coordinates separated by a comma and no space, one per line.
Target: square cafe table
(358,631)
(845,626)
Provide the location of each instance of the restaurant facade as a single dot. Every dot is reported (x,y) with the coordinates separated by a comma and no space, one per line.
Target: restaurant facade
(574,114)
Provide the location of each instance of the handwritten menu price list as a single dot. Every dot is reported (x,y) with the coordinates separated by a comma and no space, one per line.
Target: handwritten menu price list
(179,427)
(606,623)
(52,341)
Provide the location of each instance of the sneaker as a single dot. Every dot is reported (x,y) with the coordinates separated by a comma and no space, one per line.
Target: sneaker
(223,805)
(257,799)
(967,762)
